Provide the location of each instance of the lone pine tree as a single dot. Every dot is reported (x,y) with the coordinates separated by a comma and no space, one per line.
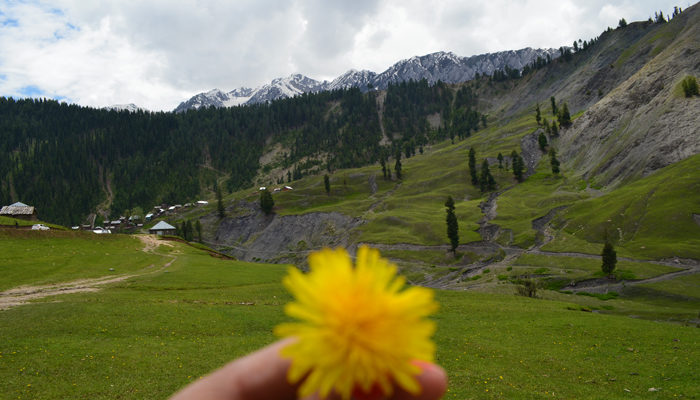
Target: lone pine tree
(266,201)
(472,167)
(397,166)
(221,211)
(609,256)
(518,165)
(452,225)
(564,116)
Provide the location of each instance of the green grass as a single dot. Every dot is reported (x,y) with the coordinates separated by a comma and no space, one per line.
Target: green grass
(22,222)
(150,335)
(42,257)
(650,218)
(533,198)
(585,268)
(426,256)
(686,286)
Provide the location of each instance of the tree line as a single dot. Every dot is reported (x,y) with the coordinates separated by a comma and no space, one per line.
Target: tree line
(67,159)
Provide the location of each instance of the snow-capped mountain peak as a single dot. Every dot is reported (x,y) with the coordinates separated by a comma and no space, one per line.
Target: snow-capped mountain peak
(439,66)
(131,107)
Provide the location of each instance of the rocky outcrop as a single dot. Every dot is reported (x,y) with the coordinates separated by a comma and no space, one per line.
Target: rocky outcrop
(281,239)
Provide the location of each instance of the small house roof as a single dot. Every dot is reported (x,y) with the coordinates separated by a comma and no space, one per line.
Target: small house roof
(17,210)
(18,204)
(162,225)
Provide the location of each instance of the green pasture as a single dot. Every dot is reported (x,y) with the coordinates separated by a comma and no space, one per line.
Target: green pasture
(43,257)
(586,268)
(154,333)
(650,218)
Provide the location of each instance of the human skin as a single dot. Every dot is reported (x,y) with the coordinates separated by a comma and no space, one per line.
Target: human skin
(263,375)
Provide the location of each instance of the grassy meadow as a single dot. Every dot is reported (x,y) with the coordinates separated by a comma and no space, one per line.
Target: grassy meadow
(147,336)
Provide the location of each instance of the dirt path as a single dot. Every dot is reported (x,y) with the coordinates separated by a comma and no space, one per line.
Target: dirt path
(24,294)
(603,285)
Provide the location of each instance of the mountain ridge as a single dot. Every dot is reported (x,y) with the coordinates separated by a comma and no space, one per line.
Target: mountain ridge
(439,66)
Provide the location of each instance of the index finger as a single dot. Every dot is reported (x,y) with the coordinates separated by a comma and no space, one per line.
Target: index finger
(259,375)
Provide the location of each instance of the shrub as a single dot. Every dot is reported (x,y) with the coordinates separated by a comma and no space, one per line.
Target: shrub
(690,86)
(527,288)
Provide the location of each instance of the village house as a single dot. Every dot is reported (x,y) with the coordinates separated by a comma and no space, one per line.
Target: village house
(20,211)
(162,228)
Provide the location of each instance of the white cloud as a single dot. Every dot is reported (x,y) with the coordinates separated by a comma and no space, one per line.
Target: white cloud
(157,53)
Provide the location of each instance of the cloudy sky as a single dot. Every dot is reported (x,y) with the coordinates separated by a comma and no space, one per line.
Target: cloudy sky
(157,53)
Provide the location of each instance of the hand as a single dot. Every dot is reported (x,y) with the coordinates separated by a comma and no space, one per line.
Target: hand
(263,375)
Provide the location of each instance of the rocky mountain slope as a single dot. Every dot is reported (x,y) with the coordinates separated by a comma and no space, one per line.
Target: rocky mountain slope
(440,66)
(646,122)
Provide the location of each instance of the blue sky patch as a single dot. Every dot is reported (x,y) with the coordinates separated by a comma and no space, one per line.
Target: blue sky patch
(10,22)
(30,91)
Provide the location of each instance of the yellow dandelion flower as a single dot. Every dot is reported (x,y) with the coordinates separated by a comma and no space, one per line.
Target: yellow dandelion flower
(358,328)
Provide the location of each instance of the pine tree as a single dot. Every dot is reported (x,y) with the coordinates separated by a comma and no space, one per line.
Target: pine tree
(554,106)
(452,225)
(538,115)
(553,160)
(554,129)
(542,140)
(518,165)
(266,201)
(220,203)
(472,166)
(198,227)
(486,181)
(189,231)
(383,164)
(609,256)
(327,184)
(564,116)
(397,166)
(500,160)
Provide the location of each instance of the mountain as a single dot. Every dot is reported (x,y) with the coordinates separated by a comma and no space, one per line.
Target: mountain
(131,107)
(353,78)
(281,88)
(451,68)
(216,98)
(440,66)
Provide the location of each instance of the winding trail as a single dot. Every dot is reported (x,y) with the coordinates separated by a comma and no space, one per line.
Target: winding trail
(24,294)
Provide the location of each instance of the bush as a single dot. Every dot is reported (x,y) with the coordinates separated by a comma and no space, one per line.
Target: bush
(527,288)
(690,86)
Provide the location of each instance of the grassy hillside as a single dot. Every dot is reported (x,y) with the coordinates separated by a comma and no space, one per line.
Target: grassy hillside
(651,218)
(149,335)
